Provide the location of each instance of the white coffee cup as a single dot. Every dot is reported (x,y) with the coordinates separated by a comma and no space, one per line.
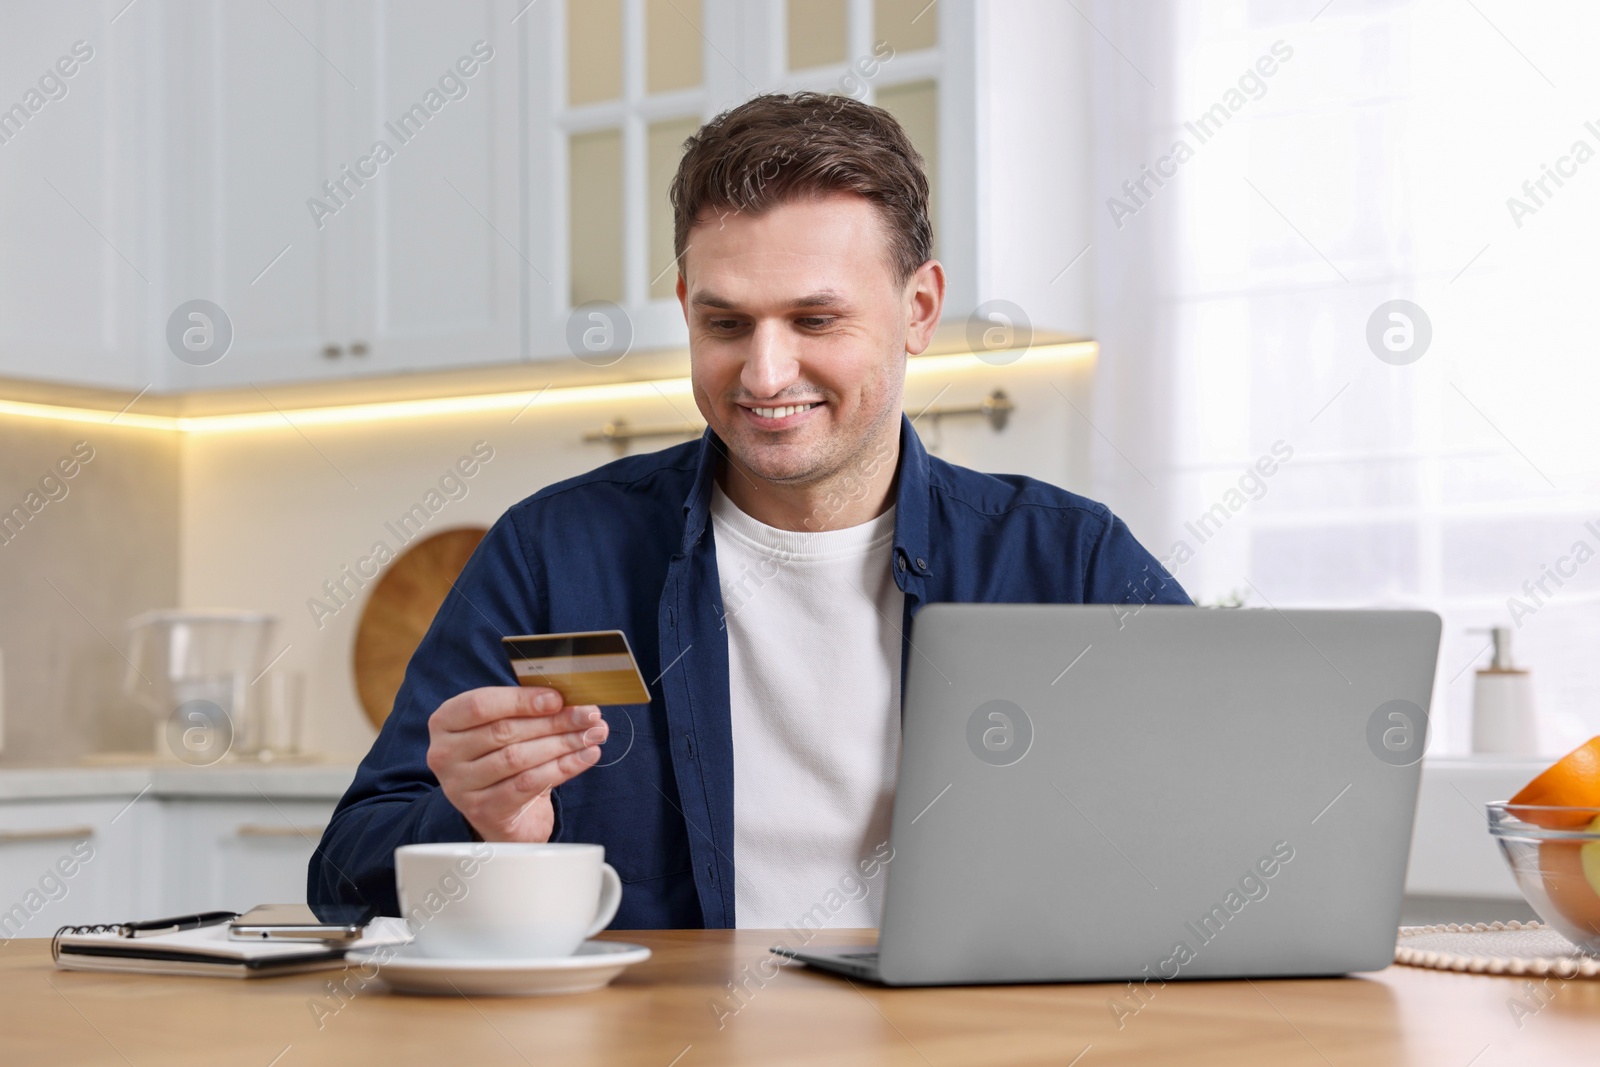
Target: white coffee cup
(504,900)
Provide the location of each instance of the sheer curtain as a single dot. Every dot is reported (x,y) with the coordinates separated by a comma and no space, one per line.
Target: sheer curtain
(1265,419)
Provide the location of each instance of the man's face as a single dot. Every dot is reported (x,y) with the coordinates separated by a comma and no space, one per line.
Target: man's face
(797,334)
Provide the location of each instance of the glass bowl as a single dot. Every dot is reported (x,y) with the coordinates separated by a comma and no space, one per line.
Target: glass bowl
(1554,854)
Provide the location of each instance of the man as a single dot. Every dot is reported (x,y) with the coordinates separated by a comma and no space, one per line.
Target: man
(759,778)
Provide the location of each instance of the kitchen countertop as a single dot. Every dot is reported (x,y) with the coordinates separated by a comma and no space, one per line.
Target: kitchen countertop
(1454,790)
(1453,860)
(299,778)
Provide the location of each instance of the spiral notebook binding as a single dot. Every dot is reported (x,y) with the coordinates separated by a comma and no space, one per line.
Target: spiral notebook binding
(86,928)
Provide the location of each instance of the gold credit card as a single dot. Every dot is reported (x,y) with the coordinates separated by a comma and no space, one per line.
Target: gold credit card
(596,667)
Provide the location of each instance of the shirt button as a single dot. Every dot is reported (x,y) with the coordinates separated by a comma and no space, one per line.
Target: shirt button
(900,562)
(922,564)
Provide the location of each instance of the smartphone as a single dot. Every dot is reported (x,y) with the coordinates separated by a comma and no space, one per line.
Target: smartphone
(336,923)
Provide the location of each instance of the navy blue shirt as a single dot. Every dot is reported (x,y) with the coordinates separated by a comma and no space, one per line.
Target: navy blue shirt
(628,546)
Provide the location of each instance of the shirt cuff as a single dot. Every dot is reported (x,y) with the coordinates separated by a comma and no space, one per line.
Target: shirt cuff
(441,821)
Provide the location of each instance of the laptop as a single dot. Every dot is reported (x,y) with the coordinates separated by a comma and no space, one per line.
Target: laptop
(1106,793)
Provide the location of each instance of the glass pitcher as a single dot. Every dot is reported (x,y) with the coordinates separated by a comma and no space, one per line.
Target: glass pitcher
(204,663)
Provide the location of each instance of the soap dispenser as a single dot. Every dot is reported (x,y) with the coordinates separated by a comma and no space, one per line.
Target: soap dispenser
(1503,721)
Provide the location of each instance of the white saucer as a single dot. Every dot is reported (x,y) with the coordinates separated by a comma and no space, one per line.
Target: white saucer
(593,966)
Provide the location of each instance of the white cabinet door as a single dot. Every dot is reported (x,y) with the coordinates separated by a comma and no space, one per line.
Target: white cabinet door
(76,258)
(73,861)
(345,187)
(253,95)
(235,854)
(430,199)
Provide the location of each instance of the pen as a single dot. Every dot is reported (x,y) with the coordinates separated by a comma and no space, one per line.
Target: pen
(177,922)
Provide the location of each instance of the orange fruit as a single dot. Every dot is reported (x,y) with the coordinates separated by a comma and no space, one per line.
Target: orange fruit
(1572,781)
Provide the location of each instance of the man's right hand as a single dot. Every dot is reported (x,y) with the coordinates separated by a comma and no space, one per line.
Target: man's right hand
(499,750)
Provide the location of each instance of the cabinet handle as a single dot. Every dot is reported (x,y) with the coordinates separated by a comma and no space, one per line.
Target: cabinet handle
(64,833)
(331,351)
(358,348)
(253,829)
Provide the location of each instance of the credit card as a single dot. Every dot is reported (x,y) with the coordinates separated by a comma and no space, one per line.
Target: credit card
(596,667)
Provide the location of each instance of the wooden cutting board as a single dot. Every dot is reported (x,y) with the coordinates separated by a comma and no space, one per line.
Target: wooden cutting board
(400,610)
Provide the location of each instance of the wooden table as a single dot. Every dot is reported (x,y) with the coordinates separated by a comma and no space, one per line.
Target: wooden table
(676,1011)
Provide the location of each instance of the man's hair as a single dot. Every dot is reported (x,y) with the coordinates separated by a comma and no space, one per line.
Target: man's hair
(780,147)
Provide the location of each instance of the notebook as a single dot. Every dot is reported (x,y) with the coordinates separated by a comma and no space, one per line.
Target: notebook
(207,950)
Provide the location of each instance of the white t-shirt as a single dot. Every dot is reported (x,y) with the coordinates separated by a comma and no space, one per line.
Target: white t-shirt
(813,623)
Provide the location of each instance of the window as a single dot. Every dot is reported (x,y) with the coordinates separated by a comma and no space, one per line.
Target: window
(595,236)
(881,51)
(635,89)
(1376,154)
(915,105)
(628,81)
(665,150)
(818,33)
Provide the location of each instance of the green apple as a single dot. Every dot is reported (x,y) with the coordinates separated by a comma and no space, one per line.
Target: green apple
(1590,856)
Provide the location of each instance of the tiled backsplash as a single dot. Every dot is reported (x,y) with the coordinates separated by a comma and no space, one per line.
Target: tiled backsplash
(269,519)
(97,545)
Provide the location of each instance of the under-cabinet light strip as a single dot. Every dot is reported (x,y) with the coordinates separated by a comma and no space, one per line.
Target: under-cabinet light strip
(377,411)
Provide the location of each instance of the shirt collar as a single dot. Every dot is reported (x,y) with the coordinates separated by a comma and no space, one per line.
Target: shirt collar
(911,504)
(911,499)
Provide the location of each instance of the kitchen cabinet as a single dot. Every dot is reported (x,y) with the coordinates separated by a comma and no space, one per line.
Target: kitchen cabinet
(167,840)
(351,195)
(77,252)
(236,854)
(230,153)
(438,260)
(251,118)
(104,845)
(606,133)
(71,861)
(1452,854)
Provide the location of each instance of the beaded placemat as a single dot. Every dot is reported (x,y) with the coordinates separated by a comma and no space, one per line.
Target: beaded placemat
(1494,948)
